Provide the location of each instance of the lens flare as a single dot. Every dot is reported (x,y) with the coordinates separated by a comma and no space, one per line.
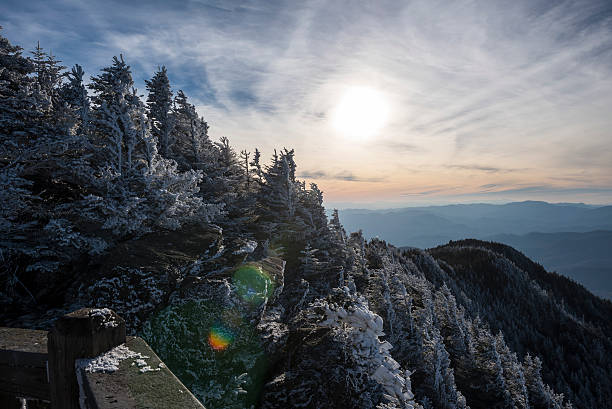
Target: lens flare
(253,284)
(219,338)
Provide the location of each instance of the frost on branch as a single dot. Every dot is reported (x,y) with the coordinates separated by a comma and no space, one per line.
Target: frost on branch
(360,328)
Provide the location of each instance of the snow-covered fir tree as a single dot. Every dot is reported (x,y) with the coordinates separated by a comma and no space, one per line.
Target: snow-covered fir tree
(159,104)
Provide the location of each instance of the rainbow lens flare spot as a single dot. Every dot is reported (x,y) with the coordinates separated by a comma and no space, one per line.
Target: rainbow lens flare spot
(219,338)
(253,284)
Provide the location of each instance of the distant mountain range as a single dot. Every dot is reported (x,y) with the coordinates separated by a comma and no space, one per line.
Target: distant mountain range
(573,239)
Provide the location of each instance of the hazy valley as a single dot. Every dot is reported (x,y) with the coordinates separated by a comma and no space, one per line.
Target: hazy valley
(572,239)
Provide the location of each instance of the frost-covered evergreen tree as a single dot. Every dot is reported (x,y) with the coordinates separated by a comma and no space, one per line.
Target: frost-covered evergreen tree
(310,265)
(278,196)
(256,166)
(312,213)
(540,395)
(227,174)
(49,75)
(43,170)
(74,94)
(513,373)
(192,147)
(120,129)
(19,103)
(159,104)
(138,188)
(247,170)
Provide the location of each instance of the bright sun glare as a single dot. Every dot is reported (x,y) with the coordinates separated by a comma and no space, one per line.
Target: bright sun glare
(361,113)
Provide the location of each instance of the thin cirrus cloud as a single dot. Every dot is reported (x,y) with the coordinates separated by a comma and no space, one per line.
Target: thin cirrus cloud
(501,191)
(345,176)
(475,88)
(484,168)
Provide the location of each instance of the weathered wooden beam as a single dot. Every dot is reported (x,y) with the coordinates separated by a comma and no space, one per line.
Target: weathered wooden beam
(85,333)
(23,363)
(9,401)
(140,381)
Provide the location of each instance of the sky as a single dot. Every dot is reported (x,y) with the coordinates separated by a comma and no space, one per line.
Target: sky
(386,103)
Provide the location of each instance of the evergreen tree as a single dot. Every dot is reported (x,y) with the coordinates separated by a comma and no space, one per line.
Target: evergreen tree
(279,195)
(48,73)
(256,166)
(540,395)
(74,95)
(117,114)
(43,171)
(246,170)
(192,147)
(309,263)
(159,104)
(19,103)
(313,213)
(513,374)
(138,188)
(228,174)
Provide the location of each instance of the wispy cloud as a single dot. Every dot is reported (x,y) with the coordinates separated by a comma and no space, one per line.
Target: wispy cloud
(401,147)
(518,88)
(482,168)
(427,192)
(343,176)
(553,190)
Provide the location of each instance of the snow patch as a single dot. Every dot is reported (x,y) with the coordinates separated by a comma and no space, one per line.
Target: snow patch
(108,318)
(247,248)
(140,362)
(362,328)
(149,369)
(109,361)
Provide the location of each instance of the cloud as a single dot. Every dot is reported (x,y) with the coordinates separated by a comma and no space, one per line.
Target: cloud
(401,147)
(343,175)
(504,189)
(490,87)
(482,168)
(547,189)
(426,192)
(315,174)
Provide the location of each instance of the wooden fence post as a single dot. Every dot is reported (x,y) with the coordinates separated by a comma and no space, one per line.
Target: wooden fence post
(85,333)
(9,401)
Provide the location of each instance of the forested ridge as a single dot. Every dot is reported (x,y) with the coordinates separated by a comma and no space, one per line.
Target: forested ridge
(111,199)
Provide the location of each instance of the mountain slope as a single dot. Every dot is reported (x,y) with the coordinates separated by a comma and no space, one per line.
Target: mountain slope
(532,307)
(584,257)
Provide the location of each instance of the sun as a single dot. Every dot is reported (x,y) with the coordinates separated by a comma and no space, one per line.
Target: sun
(361,113)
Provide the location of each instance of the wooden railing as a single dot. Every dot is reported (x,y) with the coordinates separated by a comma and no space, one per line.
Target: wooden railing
(86,361)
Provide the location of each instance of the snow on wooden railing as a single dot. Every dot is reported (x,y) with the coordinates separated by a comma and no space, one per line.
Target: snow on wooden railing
(86,361)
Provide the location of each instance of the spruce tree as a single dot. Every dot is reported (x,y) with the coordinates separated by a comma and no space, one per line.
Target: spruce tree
(19,102)
(192,147)
(48,73)
(138,190)
(159,104)
(74,94)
